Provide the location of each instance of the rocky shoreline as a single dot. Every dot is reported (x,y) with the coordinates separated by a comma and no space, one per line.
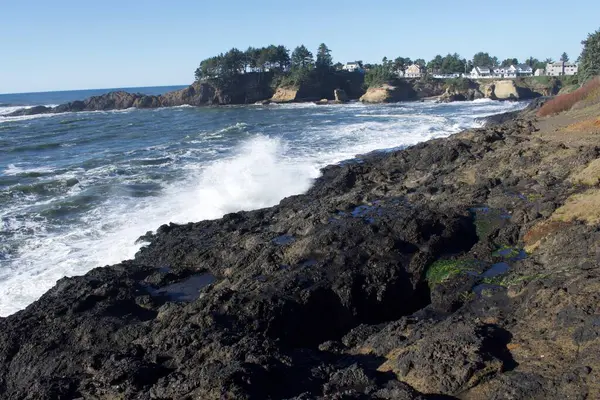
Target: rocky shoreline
(464,267)
(258,88)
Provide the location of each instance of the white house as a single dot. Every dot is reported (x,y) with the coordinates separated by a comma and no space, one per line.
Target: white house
(352,66)
(512,71)
(505,72)
(561,68)
(540,72)
(480,72)
(524,70)
(414,71)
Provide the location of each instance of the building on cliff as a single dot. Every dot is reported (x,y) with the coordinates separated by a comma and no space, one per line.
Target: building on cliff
(561,68)
(505,72)
(414,71)
(510,72)
(353,66)
(481,72)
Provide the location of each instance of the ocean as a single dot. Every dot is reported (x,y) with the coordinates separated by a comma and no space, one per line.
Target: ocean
(78,189)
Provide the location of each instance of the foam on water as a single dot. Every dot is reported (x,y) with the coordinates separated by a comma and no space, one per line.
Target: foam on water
(7,109)
(222,173)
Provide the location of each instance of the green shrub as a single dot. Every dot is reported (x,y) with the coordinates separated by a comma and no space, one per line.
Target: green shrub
(378,75)
(443,270)
(458,84)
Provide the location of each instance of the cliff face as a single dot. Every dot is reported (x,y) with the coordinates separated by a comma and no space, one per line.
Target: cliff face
(324,88)
(389,93)
(404,90)
(244,89)
(507,89)
(256,87)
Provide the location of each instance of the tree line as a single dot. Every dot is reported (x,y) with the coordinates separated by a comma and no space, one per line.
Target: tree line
(302,65)
(297,66)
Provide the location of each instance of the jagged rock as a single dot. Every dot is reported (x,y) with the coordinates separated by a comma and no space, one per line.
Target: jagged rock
(340,96)
(428,88)
(454,357)
(505,90)
(344,292)
(285,95)
(465,90)
(400,91)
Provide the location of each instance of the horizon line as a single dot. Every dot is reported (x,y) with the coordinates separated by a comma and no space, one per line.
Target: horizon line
(80,90)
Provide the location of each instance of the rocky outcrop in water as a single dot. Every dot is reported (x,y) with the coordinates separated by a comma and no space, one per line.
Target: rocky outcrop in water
(249,88)
(285,95)
(404,90)
(245,89)
(458,268)
(340,96)
(507,89)
(389,93)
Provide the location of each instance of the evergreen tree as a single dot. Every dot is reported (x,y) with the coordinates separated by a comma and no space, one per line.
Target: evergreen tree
(324,60)
(564,57)
(482,59)
(452,63)
(377,75)
(589,59)
(535,64)
(400,64)
(435,65)
(302,58)
(509,61)
(233,62)
(282,57)
(302,64)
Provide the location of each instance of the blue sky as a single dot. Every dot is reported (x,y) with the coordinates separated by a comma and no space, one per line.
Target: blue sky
(68,44)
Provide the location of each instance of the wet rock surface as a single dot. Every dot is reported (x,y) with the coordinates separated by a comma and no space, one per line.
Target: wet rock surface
(437,272)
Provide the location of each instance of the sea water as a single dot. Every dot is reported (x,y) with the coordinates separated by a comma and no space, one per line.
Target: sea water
(78,189)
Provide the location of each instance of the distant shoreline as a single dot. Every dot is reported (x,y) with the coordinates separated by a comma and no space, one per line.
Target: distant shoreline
(108,90)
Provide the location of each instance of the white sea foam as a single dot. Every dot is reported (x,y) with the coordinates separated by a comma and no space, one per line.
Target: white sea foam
(12,170)
(6,119)
(258,173)
(10,109)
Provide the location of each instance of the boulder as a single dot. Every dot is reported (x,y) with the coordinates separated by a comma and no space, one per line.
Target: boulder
(469,94)
(31,111)
(388,94)
(340,96)
(285,95)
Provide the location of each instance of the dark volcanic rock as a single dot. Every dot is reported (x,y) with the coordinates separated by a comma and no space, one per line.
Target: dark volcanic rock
(381,282)
(31,111)
(248,88)
(245,89)
(528,111)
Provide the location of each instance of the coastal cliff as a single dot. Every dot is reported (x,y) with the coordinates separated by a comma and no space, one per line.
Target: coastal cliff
(507,89)
(461,89)
(264,87)
(244,89)
(464,267)
(404,90)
